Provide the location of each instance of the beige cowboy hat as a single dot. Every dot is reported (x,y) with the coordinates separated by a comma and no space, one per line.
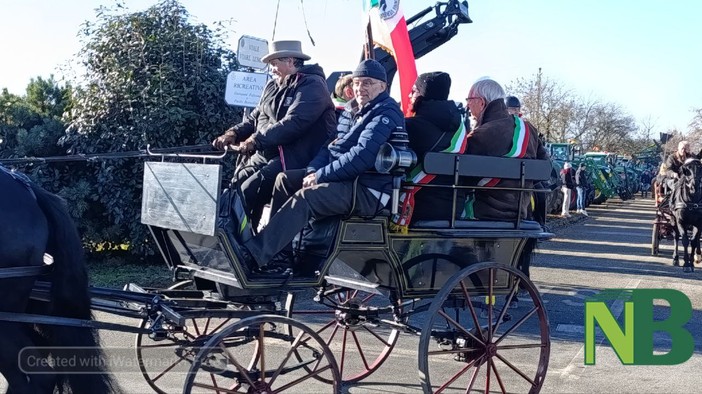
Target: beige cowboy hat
(278,49)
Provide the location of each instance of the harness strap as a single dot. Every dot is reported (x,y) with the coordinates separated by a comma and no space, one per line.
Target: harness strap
(22,272)
(21,178)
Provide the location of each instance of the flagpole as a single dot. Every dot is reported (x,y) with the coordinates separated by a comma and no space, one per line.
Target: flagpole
(370,53)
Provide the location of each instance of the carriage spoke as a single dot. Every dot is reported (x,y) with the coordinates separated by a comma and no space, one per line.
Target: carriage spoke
(491,295)
(360,351)
(312,374)
(262,358)
(453,351)
(221,324)
(197,330)
(462,329)
(497,376)
(487,374)
(243,371)
(218,389)
(293,346)
(507,303)
(180,359)
(517,324)
(515,369)
(473,377)
(386,343)
(472,309)
(214,383)
(458,375)
(525,346)
(343,352)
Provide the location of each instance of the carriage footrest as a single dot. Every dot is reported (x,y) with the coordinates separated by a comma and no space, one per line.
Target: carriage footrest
(353,284)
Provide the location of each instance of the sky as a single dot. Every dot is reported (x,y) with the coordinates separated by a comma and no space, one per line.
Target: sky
(640,54)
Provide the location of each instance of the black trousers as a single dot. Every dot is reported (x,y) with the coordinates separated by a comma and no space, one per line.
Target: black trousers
(316,202)
(256,178)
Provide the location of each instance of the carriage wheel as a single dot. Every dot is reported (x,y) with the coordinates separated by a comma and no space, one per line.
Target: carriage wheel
(223,364)
(470,341)
(165,357)
(655,239)
(360,343)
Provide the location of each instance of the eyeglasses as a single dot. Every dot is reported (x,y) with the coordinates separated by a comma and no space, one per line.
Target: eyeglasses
(364,83)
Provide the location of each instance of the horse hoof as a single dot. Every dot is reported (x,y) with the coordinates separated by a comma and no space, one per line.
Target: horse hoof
(676,263)
(687,269)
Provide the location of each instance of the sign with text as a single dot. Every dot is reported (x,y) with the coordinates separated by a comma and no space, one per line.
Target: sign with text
(250,52)
(244,89)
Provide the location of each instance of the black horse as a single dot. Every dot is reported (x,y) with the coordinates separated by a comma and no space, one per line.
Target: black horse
(34,222)
(686,205)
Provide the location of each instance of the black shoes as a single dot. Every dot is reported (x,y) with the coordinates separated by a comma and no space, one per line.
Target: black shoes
(281,264)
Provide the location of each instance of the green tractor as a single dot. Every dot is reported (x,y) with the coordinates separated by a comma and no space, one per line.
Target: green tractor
(602,176)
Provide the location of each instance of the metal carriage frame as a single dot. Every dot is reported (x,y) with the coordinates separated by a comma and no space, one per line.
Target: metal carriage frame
(407,271)
(450,282)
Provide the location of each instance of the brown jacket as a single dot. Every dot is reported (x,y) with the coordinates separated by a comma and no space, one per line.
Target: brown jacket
(493,137)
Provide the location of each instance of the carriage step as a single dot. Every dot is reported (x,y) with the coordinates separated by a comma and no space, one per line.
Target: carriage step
(353,284)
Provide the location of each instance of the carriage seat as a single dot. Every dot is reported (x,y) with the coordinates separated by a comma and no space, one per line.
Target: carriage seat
(528,225)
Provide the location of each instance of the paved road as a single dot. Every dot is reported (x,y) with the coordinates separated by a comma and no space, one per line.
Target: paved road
(610,249)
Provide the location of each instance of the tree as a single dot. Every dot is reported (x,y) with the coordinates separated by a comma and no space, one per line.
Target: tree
(31,125)
(547,104)
(151,77)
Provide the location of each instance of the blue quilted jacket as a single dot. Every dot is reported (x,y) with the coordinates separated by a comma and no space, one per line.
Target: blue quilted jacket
(360,133)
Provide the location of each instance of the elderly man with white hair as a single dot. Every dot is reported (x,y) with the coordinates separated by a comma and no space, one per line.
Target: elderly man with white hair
(677,159)
(498,133)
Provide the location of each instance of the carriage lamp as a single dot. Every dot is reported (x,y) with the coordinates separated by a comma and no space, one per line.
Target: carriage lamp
(396,157)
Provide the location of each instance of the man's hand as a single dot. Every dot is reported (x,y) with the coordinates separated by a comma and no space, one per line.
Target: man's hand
(247,146)
(309,181)
(224,140)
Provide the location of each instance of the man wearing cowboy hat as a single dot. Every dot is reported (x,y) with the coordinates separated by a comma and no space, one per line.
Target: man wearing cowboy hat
(294,117)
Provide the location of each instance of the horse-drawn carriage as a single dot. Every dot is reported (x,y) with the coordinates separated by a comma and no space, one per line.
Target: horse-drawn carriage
(679,212)
(228,329)
(664,223)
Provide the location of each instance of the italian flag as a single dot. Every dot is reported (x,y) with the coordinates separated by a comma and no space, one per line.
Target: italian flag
(389,31)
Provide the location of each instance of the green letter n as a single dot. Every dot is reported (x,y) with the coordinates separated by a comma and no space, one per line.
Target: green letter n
(622,340)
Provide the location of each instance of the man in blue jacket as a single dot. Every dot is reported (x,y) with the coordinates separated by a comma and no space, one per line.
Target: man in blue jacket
(325,187)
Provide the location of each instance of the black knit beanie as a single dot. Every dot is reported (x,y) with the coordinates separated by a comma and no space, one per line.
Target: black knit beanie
(434,86)
(372,69)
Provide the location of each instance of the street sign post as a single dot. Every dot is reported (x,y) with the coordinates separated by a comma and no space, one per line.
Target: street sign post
(251,50)
(244,88)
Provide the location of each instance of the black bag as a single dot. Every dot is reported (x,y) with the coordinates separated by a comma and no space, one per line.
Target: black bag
(232,216)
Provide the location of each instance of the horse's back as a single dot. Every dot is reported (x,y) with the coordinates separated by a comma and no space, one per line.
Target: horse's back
(23,226)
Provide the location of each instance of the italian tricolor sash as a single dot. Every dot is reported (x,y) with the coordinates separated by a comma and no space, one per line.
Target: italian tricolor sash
(400,221)
(520,142)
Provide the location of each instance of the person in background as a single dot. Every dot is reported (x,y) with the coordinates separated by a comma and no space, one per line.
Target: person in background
(677,159)
(581,187)
(514,107)
(567,188)
(342,94)
(293,119)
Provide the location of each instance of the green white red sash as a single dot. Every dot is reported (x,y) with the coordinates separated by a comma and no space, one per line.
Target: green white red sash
(400,221)
(520,142)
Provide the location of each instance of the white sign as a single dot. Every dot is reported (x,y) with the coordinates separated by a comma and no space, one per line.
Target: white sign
(244,89)
(250,52)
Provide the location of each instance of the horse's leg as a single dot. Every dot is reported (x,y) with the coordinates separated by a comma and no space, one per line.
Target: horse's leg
(687,261)
(676,235)
(16,341)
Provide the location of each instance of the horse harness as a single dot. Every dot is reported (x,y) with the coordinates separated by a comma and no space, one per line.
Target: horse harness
(18,272)
(21,178)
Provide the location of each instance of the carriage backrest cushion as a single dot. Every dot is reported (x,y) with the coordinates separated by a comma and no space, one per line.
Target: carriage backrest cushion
(438,163)
(181,196)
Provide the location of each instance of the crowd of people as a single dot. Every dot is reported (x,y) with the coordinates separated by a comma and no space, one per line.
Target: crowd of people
(311,155)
